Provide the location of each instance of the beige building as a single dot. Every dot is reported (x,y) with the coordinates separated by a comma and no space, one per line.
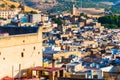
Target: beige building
(20,51)
(91,12)
(34,18)
(73,67)
(44,18)
(93,44)
(59,55)
(8,13)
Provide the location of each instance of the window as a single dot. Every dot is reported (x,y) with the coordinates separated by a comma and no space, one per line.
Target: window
(38,52)
(23,41)
(3,58)
(22,54)
(0,53)
(34,47)
(23,49)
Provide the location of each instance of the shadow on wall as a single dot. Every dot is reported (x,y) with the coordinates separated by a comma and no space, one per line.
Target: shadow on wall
(21,74)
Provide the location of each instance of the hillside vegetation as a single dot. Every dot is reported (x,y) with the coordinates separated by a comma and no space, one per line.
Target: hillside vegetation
(6,5)
(64,5)
(110,21)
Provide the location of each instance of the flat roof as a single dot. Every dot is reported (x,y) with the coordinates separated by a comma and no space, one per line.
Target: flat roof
(18,30)
(37,68)
(48,69)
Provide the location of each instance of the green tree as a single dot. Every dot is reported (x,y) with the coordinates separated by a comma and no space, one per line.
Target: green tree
(12,6)
(2,5)
(110,21)
(57,20)
(84,15)
(31,12)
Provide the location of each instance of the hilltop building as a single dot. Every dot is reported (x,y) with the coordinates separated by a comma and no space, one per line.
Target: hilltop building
(74,10)
(91,12)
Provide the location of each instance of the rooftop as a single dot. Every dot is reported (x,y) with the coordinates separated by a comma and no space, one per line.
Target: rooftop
(18,30)
(40,68)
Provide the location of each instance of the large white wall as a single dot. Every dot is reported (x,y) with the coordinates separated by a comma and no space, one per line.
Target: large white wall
(11,48)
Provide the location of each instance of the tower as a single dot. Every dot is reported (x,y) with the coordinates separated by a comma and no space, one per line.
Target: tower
(81,6)
(73,10)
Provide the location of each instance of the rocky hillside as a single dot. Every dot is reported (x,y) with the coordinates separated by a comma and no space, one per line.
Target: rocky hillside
(7,5)
(40,4)
(57,5)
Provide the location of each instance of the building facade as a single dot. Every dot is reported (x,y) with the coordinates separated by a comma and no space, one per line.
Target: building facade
(35,18)
(20,52)
(8,14)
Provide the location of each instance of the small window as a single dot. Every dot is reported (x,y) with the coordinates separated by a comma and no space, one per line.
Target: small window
(22,54)
(34,47)
(23,41)
(3,58)
(38,52)
(0,53)
(23,49)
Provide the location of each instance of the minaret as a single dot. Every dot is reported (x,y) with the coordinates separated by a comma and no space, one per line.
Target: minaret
(73,10)
(81,6)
